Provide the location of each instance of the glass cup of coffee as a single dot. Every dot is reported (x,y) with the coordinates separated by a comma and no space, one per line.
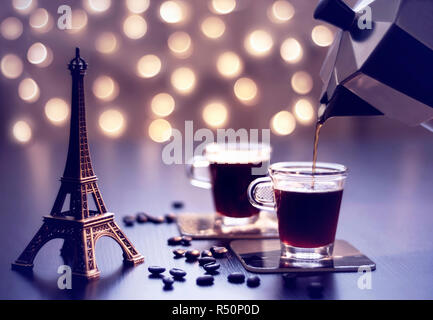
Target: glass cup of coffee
(231,168)
(307,206)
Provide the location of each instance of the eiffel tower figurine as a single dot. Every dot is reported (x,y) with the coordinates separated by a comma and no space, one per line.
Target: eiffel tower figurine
(80,227)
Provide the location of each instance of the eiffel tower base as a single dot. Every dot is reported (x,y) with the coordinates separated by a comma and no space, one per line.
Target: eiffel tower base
(78,249)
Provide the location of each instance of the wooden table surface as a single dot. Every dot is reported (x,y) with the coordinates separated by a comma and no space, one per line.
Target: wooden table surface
(386,213)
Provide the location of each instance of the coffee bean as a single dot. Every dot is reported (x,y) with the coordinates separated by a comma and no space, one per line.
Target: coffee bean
(206,253)
(179,253)
(168,281)
(289,279)
(315,289)
(177,273)
(206,280)
(170,217)
(253,281)
(129,220)
(174,241)
(206,260)
(155,219)
(192,255)
(236,277)
(141,217)
(177,204)
(186,241)
(156,270)
(212,267)
(219,252)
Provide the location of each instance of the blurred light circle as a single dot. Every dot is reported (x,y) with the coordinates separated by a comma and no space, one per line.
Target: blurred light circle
(149,66)
(183,80)
(223,6)
(11,66)
(112,122)
(57,110)
(302,82)
(283,123)
(215,114)
(229,64)
(37,53)
(79,20)
(162,104)
(49,59)
(172,11)
(106,43)
(281,11)
(180,44)
(22,131)
(135,27)
(97,6)
(28,90)
(304,111)
(160,130)
(245,89)
(213,27)
(24,6)
(11,28)
(259,43)
(105,88)
(322,36)
(137,6)
(40,19)
(291,50)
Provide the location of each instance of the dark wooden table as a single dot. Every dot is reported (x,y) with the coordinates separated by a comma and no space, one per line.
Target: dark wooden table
(386,213)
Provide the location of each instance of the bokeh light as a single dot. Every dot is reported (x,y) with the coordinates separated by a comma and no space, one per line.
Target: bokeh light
(302,82)
(11,66)
(105,88)
(229,64)
(135,27)
(106,43)
(245,90)
(148,66)
(97,6)
(28,90)
(79,21)
(304,111)
(172,11)
(24,6)
(160,130)
(21,131)
(180,44)
(162,104)
(40,20)
(183,80)
(283,123)
(322,36)
(291,50)
(259,43)
(11,28)
(112,122)
(37,53)
(215,114)
(213,27)
(137,6)
(223,6)
(281,11)
(57,110)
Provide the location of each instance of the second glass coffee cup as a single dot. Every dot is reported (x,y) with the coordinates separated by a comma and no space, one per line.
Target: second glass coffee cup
(231,167)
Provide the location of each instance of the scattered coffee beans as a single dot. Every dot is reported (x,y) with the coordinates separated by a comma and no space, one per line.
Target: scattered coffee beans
(170,217)
(206,260)
(211,267)
(129,220)
(177,204)
(206,253)
(168,281)
(141,217)
(174,241)
(155,270)
(179,253)
(192,255)
(219,252)
(289,279)
(206,280)
(155,219)
(236,277)
(253,281)
(178,273)
(315,289)
(186,241)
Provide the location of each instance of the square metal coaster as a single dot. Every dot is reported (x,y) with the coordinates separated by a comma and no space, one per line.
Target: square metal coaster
(202,226)
(263,256)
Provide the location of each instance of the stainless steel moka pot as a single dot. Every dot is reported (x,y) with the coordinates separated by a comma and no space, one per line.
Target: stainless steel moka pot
(379,67)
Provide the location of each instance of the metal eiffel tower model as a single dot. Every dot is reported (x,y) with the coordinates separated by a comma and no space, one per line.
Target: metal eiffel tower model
(80,227)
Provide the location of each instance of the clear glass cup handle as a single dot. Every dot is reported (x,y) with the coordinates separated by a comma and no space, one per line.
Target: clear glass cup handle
(191,166)
(261,194)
